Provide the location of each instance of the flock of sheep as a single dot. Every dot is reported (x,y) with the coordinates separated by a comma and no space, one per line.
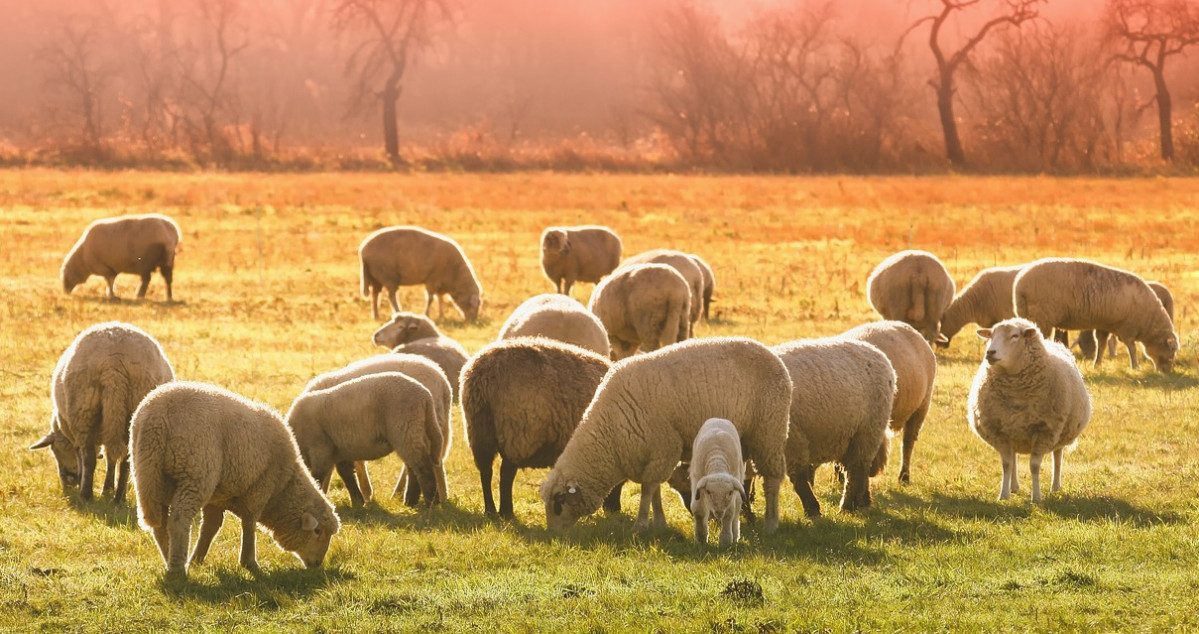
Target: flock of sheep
(565,388)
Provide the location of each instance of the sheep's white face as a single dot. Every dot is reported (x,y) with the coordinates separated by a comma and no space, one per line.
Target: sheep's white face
(311,541)
(1008,342)
(1162,351)
(717,496)
(66,455)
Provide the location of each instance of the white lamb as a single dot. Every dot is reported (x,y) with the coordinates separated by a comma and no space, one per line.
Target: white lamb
(717,473)
(1028,397)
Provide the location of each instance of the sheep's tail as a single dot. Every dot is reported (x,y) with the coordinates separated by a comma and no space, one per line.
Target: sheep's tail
(148,440)
(880,459)
(367,280)
(673,330)
(115,411)
(436,444)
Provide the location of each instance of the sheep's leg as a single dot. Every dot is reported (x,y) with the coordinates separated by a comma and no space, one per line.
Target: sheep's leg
(1101,339)
(144,286)
(426,480)
(728,527)
(249,551)
(507,477)
(770,489)
(110,473)
(567,284)
(1015,477)
(364,480)
(1132,351)
(911,432)
(1034,467)
(122,481)
(1111,347)
(647,500)
(428,301)
(412,488)
(162,537)
(856,493)
(659,515)
(213,516)
(392,300)
(612,502)
(443,486)
(401,482)
(87,474)
(110,280)
(345,469)
(1005,485)
(374,293)
(1059,457)
(801,481)
(168,274)
(324,481)
(735,525)
(183,510)
(701,528)
(485,472)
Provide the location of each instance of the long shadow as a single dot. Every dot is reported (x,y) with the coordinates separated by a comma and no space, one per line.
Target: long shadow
(126,301)
(1152,380)
(444,516)
(1081,508)
(104,509)
(271,590)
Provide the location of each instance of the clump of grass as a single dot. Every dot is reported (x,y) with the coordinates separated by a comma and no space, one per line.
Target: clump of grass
(745,591)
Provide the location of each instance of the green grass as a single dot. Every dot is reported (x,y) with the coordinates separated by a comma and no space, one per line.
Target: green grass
(269,290)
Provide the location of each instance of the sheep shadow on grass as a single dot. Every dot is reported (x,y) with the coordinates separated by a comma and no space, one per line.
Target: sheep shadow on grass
(266,590)
(1151,380)
(447,515)
(104,509)
(1090,509)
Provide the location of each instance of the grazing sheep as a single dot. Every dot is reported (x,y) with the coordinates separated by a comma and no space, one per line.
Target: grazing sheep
(445,352)
(404,327)
(1028,397)
(912,287)
(986,301)
(692,273)
(915,368)
(709,282)
(840,405)
(403,256)
(425,372)
(199,447)
(578,254)
(522,398)
(647,412)
(365,419)
(98,382)
(126,244)
(1073,294)
(644,306)
(1091,343)
(560,318)
(717,472)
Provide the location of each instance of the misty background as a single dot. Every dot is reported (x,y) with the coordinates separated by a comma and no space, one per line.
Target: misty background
(779,85)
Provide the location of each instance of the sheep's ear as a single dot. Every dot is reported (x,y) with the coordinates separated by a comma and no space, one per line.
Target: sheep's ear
(983,333)
(942,341)
(308,522)
(741,489)
(1029,333)
(573,492)
(698,493)
(46,441)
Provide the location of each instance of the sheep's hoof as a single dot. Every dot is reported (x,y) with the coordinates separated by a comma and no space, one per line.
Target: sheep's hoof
(175,575)
(905,478)
(640,527)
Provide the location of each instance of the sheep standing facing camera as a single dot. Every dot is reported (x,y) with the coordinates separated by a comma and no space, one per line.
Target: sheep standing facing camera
(717,472)
(578,254)
(1028,397)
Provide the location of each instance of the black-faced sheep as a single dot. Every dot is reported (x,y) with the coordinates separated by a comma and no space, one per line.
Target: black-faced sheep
(560,318)
(522,398)
(404,256)
(1073,294)
(199,447)
(1027,397)
(644,306)
(126,244)
(912,287)
(578,254)
(96,386)
(840,404)
(716,473)
(647,412)
(686,266)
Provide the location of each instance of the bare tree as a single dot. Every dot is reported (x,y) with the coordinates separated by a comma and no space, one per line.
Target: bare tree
(1013,13)
(392,32)
(73,69)
(1148,33)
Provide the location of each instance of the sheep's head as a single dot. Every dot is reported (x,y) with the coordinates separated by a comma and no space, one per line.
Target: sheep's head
(1162,349)
(717,495)
(65,454)
(404,328)
(1009,343)
(566,500)
(309,534)
(469,304)
(555,242)
(73,273)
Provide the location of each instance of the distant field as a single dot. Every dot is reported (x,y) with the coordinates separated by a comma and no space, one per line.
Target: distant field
(268,283)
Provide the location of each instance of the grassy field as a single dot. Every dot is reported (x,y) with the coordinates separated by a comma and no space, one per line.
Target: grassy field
(268,285)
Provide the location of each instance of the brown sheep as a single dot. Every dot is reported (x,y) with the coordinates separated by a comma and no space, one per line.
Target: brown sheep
(578,254)
(404,256)
(709,282)
(912,287)
(126,244)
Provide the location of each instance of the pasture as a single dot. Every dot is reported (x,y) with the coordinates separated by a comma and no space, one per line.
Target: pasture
(268,292)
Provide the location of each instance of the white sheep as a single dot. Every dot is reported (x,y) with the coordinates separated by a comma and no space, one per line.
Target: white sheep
(915,368)
(1074,294)
(1091,343)
(686,265)
(986,301)
(402,256)
(912,287)
(402,328)
(197,446)
(1028,397)
(557,317)
(522,398)
(578,254)
(647,412)
(126,244)
(425,372)
(717,472)
(368,418)
(417,334)
(709,282)
(98,382)
(644,306)
(843,390)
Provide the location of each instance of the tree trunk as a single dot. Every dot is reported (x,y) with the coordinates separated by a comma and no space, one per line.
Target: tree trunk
(949,125)
(1165,109)
(391,136)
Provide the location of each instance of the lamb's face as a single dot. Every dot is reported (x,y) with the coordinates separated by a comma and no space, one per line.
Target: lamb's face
(565,502)
(311,541)
(717,496)
(1163,351)
(65,454)
(1008,342)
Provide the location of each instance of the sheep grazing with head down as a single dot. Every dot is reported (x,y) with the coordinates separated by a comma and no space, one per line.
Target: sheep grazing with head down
(647,412)
(1028,397)
(578,254)
(912,287)
(644,306)
(717,472)
(986,301)
(522,399)
(560,318)
(417,334)
(843,390)
(404,256)
(97,384)
(126,244)
(1073,294)
(199,447)
(1091,343)
(686,265)
(368,418)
